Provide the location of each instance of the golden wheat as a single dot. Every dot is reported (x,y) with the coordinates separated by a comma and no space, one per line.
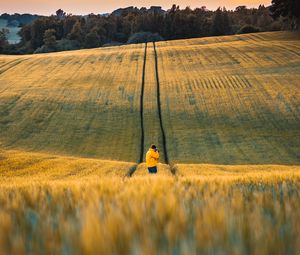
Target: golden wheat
(232,99)
(212,209)
(225,100)
(76,103)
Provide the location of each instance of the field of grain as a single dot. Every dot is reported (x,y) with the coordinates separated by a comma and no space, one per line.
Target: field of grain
(232,100)
(224,100)
(63,205)
(224,111)
(73,103)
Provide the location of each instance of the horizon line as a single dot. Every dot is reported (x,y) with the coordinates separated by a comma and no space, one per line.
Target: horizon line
(102,13)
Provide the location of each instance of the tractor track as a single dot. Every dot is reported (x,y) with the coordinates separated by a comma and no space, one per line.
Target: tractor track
(164,141)
(142,107)
(14,64)
(133,169)
(142,146)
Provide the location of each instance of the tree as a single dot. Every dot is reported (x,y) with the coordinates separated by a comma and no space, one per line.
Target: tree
(49,38)
(241,9)
(25,34)
(92,39)
(73,31)
(143,37)
(220,24)
(37,33)
(76,33)
(68,24)
(60,14)
(287,8)
(3,38)
(226,23)
(248,29)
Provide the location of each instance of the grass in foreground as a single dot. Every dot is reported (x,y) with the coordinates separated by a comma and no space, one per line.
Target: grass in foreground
(207,210)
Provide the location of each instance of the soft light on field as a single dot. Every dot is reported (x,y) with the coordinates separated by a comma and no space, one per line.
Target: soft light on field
(225,100)
(47,208)
(70,140)
(232,99)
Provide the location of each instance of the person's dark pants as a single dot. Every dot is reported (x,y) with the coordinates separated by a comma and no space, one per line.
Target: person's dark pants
(152,170)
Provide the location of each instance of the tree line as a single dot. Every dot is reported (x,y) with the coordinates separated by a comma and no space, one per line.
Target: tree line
(67,32)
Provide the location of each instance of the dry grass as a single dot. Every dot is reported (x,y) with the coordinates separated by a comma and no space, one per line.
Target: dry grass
(17,166)
(49,207)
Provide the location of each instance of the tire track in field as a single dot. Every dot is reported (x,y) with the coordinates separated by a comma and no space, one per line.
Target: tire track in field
(14,64)
(159,107)
(142,107)
(132,169)
(173,167)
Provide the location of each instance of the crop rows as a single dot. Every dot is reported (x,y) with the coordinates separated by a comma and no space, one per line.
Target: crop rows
(223,100)
(234,101)
(84,103)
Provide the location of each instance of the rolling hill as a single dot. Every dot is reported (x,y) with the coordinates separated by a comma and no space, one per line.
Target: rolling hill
(224,111)
(218,100)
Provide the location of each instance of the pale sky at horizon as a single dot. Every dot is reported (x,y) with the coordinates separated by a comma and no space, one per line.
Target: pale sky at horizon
(47,7)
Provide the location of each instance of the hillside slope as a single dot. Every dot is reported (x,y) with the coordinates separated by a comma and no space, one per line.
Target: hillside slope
(223,100)
(77,103)
(233,99)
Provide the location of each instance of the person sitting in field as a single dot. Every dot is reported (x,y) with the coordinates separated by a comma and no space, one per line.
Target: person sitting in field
(152,158)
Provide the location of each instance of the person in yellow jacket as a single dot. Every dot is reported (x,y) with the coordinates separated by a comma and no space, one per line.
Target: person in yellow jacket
(152,158)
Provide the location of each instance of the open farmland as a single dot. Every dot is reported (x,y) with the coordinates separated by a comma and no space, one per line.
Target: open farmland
(223,100)
(224,111)
(73,103)
(232,100)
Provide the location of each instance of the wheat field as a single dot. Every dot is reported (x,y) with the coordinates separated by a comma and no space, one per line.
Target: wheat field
(73,103)
(224,112)
(65,205)
(224,100)
(232,100)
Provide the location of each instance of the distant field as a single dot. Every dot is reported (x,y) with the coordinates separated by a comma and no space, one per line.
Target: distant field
(78,103)
(232,100)
(224,100)
(13,36)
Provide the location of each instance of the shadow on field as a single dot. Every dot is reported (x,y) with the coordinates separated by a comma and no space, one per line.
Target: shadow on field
(131,170)
(141,170)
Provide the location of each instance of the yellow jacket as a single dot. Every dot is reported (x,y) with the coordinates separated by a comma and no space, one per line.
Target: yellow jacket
(152,158)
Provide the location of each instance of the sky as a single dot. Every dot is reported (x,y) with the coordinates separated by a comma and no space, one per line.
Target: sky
(47,7)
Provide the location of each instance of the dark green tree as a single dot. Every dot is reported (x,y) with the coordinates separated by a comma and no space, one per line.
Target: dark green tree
(221,24)
(226,22)
(95,30)
(68,24)
(92,39)
(76,32)
(60,14)
(287,8)
(25,34)
(3,38)
(50,39)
